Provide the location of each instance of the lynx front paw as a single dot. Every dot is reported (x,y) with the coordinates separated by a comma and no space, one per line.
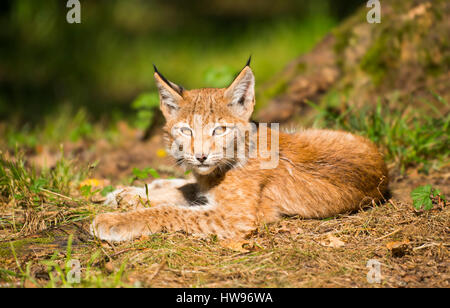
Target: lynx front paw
(160,192)
(128,198)
(116,227)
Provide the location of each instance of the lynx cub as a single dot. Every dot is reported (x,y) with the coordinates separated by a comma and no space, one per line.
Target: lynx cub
(318,173)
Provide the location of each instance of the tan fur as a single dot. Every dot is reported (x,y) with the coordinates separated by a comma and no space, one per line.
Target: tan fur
(320,173)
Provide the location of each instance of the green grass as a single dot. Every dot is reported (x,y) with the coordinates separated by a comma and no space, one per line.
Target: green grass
(34,196)
(65,124)
(25,184)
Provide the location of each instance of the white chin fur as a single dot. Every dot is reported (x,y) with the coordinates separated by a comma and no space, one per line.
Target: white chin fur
(204,170)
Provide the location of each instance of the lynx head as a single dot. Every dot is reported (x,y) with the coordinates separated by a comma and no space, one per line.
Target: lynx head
(202,125)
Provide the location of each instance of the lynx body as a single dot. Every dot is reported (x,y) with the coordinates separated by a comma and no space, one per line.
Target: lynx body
(317,173)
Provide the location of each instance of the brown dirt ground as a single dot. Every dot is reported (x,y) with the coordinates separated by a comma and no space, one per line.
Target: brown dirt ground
(411,246)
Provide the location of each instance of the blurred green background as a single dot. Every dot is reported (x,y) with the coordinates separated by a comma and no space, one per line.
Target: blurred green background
(49,67)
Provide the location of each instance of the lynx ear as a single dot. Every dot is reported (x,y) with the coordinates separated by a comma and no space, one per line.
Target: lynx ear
(170,95)
(241,93)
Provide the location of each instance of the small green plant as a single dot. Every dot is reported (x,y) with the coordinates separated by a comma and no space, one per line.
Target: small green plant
(145,106)
(423,196)
(106,190)
(144,173)
(86,191)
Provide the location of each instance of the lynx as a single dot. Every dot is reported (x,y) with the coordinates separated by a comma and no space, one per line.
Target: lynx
(316,174)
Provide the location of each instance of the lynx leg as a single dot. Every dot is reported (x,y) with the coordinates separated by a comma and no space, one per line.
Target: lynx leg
(224,221)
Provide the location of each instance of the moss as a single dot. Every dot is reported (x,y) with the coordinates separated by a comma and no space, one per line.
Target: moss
(342,40)
(355,19)
(382,56)
(21,245)
(344,34)
(301,67)
(436,47)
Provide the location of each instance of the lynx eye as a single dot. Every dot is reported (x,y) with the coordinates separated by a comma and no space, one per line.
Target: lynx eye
(186,131)
(220,130)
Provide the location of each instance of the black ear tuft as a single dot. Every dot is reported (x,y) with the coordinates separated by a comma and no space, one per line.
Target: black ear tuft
(162,77)
(248,61)
(247,64)
(174,86)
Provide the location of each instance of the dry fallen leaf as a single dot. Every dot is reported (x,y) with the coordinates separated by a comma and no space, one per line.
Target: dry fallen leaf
(236,245)
(398,249)
(392,245)
(332,241)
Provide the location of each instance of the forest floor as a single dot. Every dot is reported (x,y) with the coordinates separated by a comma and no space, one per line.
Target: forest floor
(36,246)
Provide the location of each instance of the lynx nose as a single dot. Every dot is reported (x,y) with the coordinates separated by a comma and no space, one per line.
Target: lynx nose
(201,157)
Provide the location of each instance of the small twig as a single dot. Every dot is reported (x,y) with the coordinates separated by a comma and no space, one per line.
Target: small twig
(393,204)
(427,245)
(389,234)
(56,194)
(122,251)
(106,254)
(378,188)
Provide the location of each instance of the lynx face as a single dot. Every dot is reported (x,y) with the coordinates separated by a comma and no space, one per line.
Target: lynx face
(204,126)
(204,146)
